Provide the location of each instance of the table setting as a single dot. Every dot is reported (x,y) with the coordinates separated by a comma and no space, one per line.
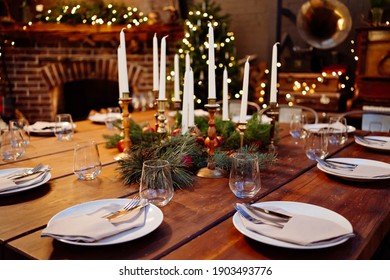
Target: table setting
(355,169)
(44,128)
(307,226)
(378,143)
(15,180)
(90,224)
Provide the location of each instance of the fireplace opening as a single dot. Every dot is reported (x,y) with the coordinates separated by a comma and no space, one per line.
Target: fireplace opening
(80,97)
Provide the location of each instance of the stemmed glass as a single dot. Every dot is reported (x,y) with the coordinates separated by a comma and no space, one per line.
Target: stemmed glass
(156,182)
(297,124)
(316,144)
(337,130)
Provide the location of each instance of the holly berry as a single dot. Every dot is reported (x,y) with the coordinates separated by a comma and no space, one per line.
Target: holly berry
(176,131)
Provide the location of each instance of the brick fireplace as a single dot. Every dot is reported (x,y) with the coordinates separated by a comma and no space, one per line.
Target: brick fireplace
(45,57)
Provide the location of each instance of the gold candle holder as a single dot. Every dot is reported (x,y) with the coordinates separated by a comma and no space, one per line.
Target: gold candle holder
(211,171)
(273,113)
(161,116)
(124,104)
(177,107)
(155,94)
(241,126)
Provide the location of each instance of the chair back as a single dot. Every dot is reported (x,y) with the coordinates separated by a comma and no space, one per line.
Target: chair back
(375,121)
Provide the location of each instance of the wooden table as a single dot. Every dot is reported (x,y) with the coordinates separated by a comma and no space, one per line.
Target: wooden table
(198,221)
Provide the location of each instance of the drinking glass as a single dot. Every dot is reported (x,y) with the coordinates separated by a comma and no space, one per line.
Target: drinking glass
(297,123)
(337,131)
(86,165)
(316,144)
(244,180)
(156,182)
(113,114)
(12,144)
(21,125)
(64,127)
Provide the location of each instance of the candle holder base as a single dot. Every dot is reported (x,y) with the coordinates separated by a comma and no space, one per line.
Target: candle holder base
(206,172)
(273,113)
(241,127)
(120,156)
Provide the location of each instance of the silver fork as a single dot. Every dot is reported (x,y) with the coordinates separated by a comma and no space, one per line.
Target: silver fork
(336,165)
(257,221)
(131,204)
(27,172)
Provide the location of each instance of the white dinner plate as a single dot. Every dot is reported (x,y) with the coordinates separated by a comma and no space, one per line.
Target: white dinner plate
(154,218)
(317,126)
(42,128)
(101,118)
(385,147)
(353,177)
(295,208)
(25,188)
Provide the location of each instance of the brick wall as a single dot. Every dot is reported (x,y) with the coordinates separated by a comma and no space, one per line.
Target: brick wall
(39,70)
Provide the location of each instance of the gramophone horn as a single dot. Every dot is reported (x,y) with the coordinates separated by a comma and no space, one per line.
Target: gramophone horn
(324,23)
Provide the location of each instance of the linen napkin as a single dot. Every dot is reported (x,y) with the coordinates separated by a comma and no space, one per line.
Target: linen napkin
(91,227)
(38,126)
(300,229)
(360,171)
(9,184)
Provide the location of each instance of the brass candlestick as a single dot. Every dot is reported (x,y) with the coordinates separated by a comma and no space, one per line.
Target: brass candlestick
(273,113)
(177,107)
(124,104)
(155,94)
(211,171)
(241,126)
(161,116)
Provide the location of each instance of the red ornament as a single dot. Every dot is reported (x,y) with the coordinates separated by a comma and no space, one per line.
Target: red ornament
(148,129)
(121,145)
(176,131)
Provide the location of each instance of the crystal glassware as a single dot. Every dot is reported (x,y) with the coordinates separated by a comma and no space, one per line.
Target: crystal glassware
(64,127)
(22,126)
(297,124)
(113,114)
(244,180)
(86,164)
(12,144)
(156,182)
(316,144)
(337,130)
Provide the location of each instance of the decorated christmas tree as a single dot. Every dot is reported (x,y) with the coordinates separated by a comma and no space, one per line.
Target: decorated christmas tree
(195,42)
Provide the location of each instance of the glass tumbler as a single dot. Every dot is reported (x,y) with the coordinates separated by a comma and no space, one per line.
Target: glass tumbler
(297,123)
(244,180)
(86,164)
(316,144)
(64,127)
(12,144)
(156,182)
(23,126)
(337,131)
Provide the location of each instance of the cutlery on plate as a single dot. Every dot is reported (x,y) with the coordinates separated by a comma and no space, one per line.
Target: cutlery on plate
(336,165)
(26,172)
(256,221)
(130,205)
(269,212)
(29,176)
(367,140)
(126,211)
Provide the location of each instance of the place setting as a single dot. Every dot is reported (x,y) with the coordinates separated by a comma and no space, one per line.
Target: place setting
(63,127)
(15,180)
(355,169)
(104,222)
(293,225)
(379,143)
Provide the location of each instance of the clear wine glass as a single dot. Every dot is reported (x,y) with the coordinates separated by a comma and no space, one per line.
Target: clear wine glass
(316,144)
(337,130)
(86,165)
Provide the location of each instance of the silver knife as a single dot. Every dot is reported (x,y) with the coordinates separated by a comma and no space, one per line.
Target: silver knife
(269,212)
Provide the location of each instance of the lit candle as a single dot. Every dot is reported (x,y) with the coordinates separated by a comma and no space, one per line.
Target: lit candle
(161,94)
(191,116)
(244,98)
(155,63)
(274,73)
(225,105)
(211,64)
(188,61)
(122,65)
(184,108)
(177,78)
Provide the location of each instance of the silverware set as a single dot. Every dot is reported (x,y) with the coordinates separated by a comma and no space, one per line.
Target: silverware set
(39,169)
(369,141)
(272,218)
(134,204)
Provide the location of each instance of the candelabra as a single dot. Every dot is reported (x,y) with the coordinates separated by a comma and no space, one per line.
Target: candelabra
(155,94)
(161,116)
(124,104)
(273,113)
(211,171)
(241,126)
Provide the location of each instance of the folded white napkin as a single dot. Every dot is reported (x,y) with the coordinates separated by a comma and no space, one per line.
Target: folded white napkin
(300,229)
(361,171)
(40,125)
(91,227)
(9,184)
